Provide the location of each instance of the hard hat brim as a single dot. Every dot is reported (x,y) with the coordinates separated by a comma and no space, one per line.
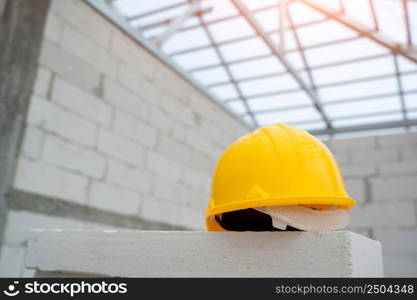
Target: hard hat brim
(342,202)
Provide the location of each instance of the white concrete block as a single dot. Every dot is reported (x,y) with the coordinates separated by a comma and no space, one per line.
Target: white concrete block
(53,28)
(202,105)
(42,82)
(398,241)
(88,51)
(174,149)
(120,147)
(202,162)
(191,218)
(160,211)
(33,142)
(368,256)
(85,20)
(198,199)
(53,118)
(353,144)
(195,179)
(384,215)
(397,140)
(342,158)
(131,53)
(161,120)
(176,109)
(374,156)
(394,188)
(356,189)
(122,98)
(72,157)
(164,166)
(137,83)
(69,66)
(46,180)
(195,140)
(179,132)
(395,168)
(409,153)
(11,261)
(169,190)
(81,102)
(20,223)
(400,265)
(362,170)
(114,199)
(129,177)
(136,129)
(206,254)
(172,83)
(212,131)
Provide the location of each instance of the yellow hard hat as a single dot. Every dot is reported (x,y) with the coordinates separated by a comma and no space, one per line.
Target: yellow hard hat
(277,165)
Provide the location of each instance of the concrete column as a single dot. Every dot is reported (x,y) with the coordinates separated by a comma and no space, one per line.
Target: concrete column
(204,254)
(21,29)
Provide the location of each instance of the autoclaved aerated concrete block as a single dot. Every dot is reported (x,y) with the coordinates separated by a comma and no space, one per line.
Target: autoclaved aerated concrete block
(205,254)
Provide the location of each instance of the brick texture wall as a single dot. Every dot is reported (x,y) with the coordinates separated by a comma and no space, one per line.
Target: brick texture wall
(381,174)
(110,127)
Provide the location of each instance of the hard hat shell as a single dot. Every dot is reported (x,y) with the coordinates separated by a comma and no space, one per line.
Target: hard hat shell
(273,166)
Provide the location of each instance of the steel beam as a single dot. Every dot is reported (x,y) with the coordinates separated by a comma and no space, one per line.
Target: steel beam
(377,37)
(400,88)
(383,125)
(277,52)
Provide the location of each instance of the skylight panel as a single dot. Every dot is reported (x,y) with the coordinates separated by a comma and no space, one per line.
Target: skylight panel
(355,71)
(220,9)
(367,120)
(363,107)
(269,19)
(197,59)
(324,32)
(289,116)
(225,92)
(279,101)
(411,100)
(302,14)
(211,76)
(257,67)
(409,82)
(231,29)
(244,49)
(266,85)
(186,39)
(237,106)
(391,20)
(344,51)
(359,89)
(360,11)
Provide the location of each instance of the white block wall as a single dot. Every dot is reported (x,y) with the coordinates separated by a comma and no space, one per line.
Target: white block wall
(107,118)
(381,174)
(113,128)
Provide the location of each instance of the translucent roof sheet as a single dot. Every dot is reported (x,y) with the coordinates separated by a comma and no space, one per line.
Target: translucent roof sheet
(317,64)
